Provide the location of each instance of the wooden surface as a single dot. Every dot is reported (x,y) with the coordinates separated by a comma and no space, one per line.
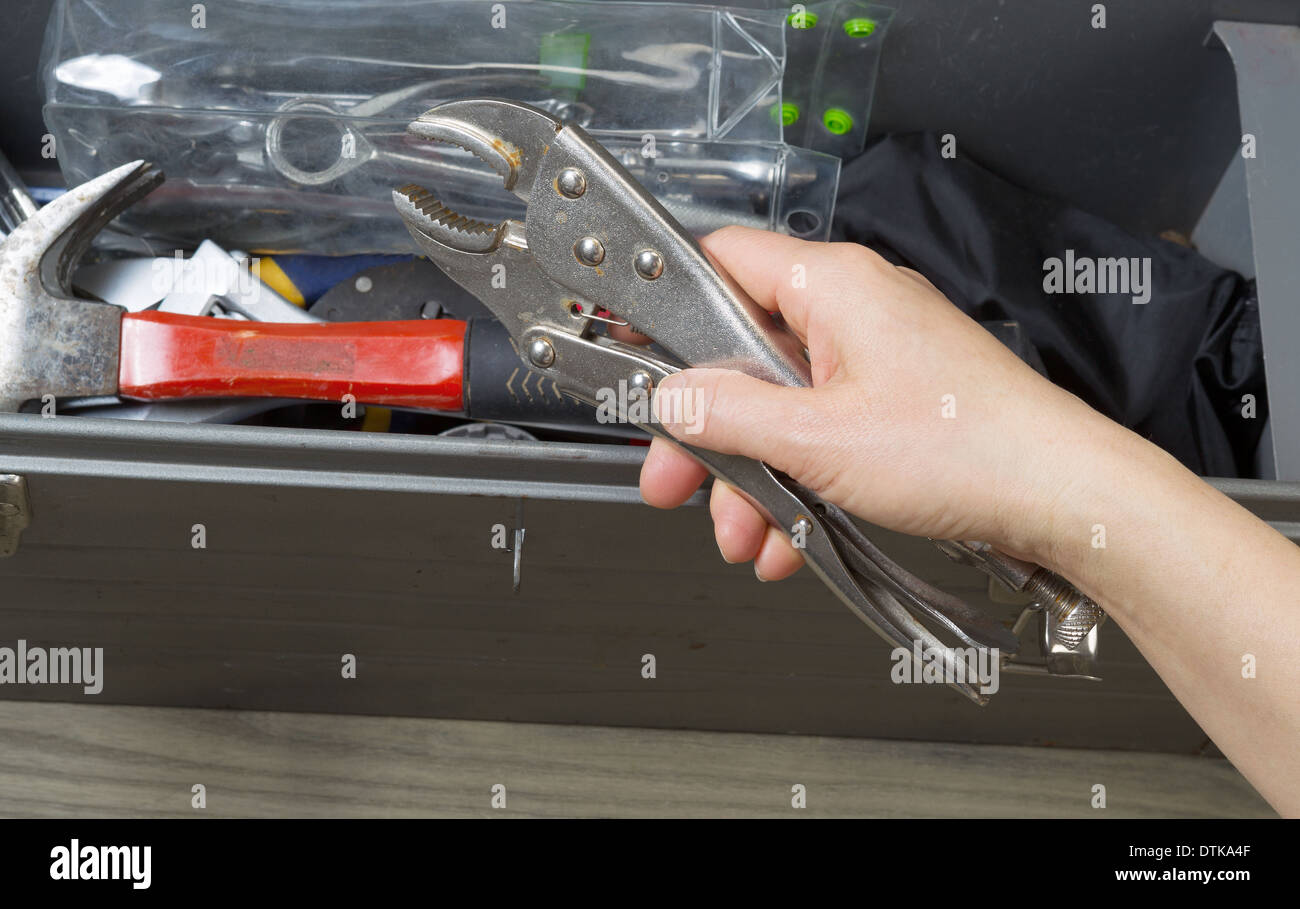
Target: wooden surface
(66,760)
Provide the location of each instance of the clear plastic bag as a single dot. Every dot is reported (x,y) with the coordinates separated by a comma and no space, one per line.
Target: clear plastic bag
(681,70)
(281,123)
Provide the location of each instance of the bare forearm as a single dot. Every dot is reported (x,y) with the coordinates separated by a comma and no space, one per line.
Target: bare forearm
(1198,583)
(1206,591)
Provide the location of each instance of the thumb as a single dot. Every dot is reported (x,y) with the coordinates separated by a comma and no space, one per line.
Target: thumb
(733,413)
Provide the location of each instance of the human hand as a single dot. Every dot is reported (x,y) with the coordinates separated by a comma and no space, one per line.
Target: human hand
(918,420)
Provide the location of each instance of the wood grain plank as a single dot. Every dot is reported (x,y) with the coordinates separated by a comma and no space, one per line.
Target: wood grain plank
(64,760)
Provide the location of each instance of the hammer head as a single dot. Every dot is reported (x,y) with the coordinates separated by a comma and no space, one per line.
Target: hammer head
(52,343)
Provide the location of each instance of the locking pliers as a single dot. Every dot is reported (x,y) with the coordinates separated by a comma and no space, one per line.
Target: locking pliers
(593,241)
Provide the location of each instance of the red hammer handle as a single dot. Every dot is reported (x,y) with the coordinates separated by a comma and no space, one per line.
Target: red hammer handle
(403,364)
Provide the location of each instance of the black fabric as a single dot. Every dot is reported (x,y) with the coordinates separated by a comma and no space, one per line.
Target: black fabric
(1174,369)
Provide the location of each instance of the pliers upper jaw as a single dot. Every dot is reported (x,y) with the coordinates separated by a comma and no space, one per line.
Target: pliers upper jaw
(511,138)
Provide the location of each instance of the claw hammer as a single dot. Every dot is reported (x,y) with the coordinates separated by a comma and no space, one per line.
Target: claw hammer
(55,344)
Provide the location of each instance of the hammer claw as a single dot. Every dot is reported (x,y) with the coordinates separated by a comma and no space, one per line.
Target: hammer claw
(52,343)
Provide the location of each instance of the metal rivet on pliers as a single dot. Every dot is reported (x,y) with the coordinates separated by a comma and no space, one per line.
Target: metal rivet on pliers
(541,352)
(589,251)
(649,264)
(571,183)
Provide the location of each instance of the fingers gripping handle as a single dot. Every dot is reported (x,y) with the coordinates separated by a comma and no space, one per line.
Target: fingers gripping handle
(866,581)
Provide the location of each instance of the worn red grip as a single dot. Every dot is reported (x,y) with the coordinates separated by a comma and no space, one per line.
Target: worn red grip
(404,364)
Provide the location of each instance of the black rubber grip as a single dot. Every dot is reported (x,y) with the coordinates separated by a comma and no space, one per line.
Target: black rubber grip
(499,386)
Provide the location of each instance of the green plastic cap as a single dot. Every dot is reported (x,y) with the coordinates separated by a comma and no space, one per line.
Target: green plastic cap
(859,28)
(787,114)
(837,120)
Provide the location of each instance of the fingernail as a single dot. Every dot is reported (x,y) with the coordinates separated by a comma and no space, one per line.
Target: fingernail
(758,574)
(667,405)
(724,555)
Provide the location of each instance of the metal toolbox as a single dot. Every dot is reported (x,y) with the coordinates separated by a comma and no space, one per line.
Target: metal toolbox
(323,544)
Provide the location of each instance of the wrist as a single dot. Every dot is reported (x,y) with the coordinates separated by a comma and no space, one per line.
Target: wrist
(1092,480)
(1118,505)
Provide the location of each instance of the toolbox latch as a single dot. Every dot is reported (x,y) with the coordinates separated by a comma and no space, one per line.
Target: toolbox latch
(15,512)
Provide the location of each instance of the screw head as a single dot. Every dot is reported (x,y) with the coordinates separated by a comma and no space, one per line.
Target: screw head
(803,525)
(641,381)
(541,352)
(589,251)
(649,264)
(571,183)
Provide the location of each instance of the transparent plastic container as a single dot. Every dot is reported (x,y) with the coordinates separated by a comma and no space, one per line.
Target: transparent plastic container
(280,124)
(681,70)
(832,58)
